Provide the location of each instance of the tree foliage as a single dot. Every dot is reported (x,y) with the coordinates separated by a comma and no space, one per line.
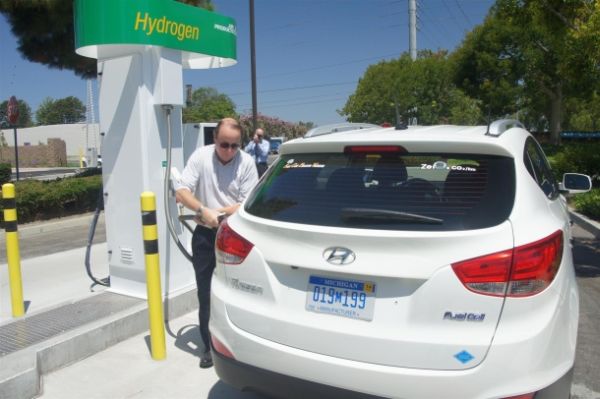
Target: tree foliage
(24,114)
(536,60)
(45,32)
(421,89)
(529,57)
(65,110)
(208,105)
(488,67)
(274,127)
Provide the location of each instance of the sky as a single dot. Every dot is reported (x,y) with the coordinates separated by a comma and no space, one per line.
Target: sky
(310,54)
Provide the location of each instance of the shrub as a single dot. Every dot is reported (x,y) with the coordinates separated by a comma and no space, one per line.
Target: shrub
(5,172)
(588,204)
(38,200)
(578,158)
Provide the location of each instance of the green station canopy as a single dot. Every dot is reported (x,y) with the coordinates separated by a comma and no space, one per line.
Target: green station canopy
(113,28)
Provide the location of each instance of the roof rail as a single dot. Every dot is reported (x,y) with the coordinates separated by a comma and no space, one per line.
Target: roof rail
(498,127)
(337,127)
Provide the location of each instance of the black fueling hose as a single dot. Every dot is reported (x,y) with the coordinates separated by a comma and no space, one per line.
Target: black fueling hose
(183,250)
(99,206)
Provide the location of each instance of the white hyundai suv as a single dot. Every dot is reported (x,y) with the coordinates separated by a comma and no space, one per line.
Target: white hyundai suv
(427,262)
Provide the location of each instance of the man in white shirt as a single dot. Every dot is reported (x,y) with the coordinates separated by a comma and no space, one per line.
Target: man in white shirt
(259,149)
(215,181)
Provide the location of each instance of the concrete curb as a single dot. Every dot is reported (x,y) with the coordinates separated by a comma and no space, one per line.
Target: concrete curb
(586,223)
(22,371)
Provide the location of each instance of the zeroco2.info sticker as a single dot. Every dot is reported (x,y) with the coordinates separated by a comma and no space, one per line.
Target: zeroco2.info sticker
(293,164)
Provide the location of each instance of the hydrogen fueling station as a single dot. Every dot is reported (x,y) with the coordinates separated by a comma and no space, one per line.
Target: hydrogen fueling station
(142,48)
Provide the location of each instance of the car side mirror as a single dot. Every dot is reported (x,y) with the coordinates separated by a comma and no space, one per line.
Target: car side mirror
(575,183)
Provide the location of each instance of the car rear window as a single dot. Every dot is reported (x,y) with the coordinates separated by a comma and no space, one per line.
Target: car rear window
(387,190)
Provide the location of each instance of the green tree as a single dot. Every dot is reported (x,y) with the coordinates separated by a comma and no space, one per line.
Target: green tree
(274,127)
(65,110)
(45,32)
(464,110)
(488,67)
(208,105)
(584,114)
(529,57)
(24,114)
(421,89)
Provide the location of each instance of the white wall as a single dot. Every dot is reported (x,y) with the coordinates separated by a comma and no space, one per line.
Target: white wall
(73,134)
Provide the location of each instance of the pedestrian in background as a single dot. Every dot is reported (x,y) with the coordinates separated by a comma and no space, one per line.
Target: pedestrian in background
(215,181)
(259,149)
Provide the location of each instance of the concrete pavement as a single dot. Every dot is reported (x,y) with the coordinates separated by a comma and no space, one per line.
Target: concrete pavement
(127,371)
(54,279)
(118,363)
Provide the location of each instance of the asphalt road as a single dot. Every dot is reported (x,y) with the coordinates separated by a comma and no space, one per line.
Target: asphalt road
(586,254)
(43,173)
(57,235)
(38,239)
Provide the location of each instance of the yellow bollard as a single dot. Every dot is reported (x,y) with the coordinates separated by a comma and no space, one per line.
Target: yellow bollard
(12,249)
(155,309)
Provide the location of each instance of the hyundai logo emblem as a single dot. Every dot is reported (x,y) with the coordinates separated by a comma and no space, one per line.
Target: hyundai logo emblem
(339,255)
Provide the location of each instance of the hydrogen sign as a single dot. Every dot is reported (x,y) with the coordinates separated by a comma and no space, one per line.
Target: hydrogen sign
(109,28)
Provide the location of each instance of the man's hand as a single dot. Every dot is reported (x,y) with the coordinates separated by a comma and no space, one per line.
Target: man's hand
(208,217)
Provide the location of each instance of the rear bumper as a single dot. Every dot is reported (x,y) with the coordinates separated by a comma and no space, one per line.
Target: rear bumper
(520,362)
(253,379)
(245,377)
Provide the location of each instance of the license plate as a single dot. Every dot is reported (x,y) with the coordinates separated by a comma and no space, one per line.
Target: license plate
(347,298)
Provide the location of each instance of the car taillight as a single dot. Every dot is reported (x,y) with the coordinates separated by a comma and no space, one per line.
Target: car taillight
(232,248)
(486,274)
(524,396)
(522,271)
(220,347)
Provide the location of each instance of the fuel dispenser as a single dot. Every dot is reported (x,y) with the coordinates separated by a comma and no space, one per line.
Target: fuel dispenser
(140,64)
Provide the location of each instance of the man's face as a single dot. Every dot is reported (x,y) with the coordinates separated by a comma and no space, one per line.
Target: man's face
(227,143)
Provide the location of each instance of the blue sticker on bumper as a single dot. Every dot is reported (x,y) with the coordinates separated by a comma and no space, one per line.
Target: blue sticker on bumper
(464,357)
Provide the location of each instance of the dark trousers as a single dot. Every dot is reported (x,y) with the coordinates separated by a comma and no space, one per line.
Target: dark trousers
(203,260)
(261,167)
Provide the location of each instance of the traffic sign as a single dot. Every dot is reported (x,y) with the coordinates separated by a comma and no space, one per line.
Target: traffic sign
(13,110)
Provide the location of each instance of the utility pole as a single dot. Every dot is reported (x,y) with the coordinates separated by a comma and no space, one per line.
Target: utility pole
(412,14)
(253,66)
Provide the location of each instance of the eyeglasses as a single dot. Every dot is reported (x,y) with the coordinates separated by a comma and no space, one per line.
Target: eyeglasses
(233,146)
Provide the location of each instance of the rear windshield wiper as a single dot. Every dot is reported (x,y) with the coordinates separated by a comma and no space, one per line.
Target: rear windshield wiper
(386,215)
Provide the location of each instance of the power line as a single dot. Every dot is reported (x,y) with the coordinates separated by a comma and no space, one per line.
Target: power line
(314,100)
(380,57)
(295,99)
(301,103)
(432,28)
(451,14)
(297,88)
(463,12)
(438,27)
